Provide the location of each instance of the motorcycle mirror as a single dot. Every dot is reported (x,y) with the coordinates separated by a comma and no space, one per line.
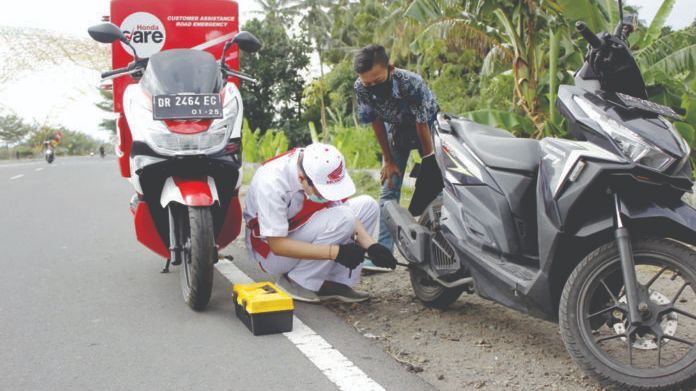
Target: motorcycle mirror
(107,33)
(630,21)
(247,42)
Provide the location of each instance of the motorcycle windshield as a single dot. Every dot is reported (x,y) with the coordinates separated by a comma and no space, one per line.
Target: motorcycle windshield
(180,71)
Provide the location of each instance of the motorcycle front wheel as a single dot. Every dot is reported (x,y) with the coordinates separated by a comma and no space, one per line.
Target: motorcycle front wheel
(658,353)
(194,229)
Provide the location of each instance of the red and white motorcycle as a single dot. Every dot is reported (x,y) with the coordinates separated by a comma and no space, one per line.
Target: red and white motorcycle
(185,119)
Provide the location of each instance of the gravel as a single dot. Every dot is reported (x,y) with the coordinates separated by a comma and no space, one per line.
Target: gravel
(475,344)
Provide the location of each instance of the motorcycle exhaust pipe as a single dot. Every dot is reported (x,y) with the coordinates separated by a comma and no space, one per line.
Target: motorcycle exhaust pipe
(411,238)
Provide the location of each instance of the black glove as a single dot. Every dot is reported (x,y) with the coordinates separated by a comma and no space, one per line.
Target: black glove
(350,255)
(428,186)
(381,256)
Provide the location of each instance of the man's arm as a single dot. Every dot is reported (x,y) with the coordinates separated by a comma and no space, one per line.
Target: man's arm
(389,168)
(363,238)
(286,247)
(426,141)
(382,139)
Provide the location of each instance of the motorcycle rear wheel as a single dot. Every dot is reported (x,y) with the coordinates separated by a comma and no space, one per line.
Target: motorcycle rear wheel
(194,228)
(660,354)
(427,290)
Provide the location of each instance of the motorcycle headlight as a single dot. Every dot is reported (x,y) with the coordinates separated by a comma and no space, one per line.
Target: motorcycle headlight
(631,144)
(165,142)
(683,144)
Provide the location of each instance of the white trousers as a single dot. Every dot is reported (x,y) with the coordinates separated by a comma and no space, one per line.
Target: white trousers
(334,225)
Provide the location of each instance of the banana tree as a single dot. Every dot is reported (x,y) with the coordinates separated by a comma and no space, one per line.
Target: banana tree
(316,22)
(516,33)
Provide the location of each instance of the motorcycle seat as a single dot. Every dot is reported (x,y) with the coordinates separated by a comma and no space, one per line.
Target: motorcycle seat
(498,148)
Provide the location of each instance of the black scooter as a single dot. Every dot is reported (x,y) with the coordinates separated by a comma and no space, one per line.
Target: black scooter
(591,233)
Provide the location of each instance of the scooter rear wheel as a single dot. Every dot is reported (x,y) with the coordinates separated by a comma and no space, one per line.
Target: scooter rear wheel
(427,290)
(194,226)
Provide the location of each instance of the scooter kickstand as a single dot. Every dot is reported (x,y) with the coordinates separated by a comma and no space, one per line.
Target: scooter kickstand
(166,267)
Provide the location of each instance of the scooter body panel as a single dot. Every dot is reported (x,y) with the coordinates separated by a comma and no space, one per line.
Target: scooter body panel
(189,192)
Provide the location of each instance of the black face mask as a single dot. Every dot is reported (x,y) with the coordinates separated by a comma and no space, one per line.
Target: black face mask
(382,90)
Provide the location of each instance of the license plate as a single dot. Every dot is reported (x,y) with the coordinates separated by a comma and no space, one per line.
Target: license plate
(190,106)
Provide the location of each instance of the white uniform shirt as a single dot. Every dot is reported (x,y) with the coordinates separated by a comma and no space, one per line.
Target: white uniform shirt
(275,195)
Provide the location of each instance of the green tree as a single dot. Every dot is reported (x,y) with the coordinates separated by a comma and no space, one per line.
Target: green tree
(107,104)
(316,23)
(277,10)
(13,129)
(278,66)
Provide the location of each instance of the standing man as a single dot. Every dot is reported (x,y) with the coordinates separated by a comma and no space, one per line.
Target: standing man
(401,109)
(303,229)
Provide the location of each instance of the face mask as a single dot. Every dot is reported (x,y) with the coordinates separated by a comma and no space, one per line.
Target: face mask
(315,198)
(382,90)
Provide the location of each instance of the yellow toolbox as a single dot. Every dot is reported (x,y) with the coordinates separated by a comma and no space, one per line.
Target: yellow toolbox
(263,307)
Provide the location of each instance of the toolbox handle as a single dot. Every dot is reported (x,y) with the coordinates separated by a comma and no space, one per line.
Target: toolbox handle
(269,289)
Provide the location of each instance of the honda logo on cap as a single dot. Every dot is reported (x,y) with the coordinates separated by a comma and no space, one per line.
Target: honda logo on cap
(145,32)
(337,174)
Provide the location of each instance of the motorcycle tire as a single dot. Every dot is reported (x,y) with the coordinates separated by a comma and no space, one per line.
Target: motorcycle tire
(427,290)
(601,269)
(196,237)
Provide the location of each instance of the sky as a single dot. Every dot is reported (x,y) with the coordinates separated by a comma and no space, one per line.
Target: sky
(69,99)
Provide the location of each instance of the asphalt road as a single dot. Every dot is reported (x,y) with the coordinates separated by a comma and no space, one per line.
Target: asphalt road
(83,305)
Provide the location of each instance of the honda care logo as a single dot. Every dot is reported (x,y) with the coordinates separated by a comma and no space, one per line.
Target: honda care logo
(146,33)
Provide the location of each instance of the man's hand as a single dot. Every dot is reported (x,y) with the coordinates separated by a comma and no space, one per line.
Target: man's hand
(381,256)
(389,169)
(350,255)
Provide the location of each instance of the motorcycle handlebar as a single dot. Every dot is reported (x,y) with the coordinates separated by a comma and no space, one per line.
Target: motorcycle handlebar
(240,75)
(589,36)
(114,72)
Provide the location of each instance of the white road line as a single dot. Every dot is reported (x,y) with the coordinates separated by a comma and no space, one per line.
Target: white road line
(334,365)
(39,169)
(16,177)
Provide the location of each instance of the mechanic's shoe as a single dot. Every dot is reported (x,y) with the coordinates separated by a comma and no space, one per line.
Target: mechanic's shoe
(371,268)
(336,291)
(296,291)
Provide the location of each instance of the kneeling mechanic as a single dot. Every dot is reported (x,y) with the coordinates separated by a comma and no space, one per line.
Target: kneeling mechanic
(303,230)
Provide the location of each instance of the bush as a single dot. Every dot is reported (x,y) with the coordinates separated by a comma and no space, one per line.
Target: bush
(358,145)
(258,147)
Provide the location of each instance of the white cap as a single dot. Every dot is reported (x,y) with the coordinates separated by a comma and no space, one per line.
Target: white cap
(326,168)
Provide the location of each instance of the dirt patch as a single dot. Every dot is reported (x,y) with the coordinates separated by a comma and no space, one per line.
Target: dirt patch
(475,344)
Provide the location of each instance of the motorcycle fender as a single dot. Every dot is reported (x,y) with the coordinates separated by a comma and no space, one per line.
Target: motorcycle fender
(189,192)
(676,221)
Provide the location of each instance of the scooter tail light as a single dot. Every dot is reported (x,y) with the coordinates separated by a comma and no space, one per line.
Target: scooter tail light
(188,127)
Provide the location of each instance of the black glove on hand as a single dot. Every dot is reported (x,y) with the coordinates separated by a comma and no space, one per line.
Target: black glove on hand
(428,186)
(350,255)
(381,256)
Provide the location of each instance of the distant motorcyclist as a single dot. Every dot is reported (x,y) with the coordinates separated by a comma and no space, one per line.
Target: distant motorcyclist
(48,151)
(101,151)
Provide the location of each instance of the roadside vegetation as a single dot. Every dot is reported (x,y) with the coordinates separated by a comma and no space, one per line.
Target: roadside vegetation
(20,139)
(24,50)
(496,62)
